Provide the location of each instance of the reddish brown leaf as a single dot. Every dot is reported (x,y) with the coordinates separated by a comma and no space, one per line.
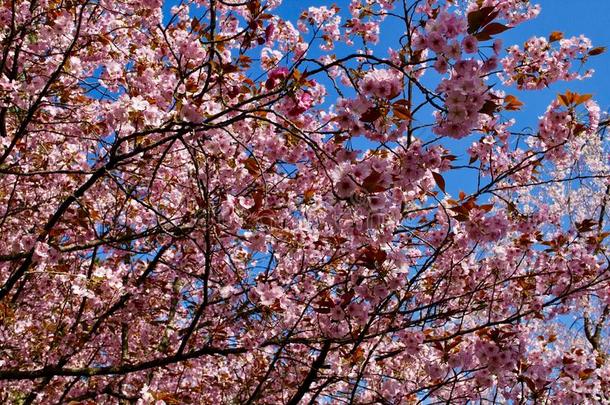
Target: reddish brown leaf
(195,25)
(440,182)
(512,103)
(491,29)
(371,183)
(347,298)
(308,195)
(489,108)
(371,114)
(461,217)
(479,18)
(586,225)
(563,100)
(401,112)
(555,36)
(251,165)
(486,207)
(325,302)
(597,51)
(581,98)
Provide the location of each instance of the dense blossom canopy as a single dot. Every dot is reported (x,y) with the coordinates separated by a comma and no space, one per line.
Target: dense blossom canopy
(216,205)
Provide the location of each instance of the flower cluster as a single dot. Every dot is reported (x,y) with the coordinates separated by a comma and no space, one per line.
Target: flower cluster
(465,94)
(195,210)
(539,63)
(382,83)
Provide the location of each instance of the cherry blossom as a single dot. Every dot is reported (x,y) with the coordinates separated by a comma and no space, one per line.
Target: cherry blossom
(214,202)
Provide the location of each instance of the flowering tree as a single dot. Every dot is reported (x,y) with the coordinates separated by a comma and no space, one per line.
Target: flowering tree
(224,206)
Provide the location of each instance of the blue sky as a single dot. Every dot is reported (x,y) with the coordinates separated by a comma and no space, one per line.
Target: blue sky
(572,17)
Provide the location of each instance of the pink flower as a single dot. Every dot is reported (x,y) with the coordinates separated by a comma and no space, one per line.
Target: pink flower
(359,312)
(381,83)
(436,42)
(490,64)
(419,42)
(337,314)
(453,50)
(268,294)
(345,187)
(470,44)
(275,76)
(497,46)
(380,291)
(376,202)
(441,65)
(303,102)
